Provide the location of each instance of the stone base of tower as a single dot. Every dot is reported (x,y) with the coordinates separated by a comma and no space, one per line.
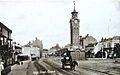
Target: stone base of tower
(77,52)
(78,55)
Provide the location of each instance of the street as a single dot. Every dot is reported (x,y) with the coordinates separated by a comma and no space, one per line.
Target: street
(52,66)
(48,67)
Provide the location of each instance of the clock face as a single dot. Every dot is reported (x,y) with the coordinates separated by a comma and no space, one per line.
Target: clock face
(76,21)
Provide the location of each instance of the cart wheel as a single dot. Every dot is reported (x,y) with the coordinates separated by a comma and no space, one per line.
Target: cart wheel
(71,67)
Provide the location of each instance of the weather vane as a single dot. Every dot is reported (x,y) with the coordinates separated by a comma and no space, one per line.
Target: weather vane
(74,2)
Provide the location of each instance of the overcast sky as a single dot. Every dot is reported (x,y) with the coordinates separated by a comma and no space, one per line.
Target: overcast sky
(49,19)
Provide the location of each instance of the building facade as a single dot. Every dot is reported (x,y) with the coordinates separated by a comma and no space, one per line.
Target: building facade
(33,48)
(53,49)
(88,43)
(29,51)
(74,28)
(108,47)
(35,43)
(5,45)
(88,39)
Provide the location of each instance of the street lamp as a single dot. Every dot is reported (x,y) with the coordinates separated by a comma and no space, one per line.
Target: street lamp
(102,46)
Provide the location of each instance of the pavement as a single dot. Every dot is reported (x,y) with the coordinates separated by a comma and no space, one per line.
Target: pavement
(19,69)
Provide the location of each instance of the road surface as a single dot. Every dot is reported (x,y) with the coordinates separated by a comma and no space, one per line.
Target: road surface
(52,66)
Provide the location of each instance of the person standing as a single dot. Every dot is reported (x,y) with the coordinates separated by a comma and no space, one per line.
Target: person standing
(1,67)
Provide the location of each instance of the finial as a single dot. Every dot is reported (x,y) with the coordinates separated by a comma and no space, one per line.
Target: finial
(74,4)
(36,38)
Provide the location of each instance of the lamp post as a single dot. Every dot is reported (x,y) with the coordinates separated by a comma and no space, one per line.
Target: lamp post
(103,47)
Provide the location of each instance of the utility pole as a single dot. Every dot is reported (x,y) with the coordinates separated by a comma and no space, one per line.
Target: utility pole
(109,27)
(108,35)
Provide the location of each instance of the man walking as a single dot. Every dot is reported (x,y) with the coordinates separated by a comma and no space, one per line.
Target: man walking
(74,63)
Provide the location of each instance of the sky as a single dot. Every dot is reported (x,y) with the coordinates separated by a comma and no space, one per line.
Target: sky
(48,20)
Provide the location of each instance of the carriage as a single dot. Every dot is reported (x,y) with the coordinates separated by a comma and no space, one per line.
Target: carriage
(68,61)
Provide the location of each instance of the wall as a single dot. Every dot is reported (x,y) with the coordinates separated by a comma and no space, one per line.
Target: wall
(31,50)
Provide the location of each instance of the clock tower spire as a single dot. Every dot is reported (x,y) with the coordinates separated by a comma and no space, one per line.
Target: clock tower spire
(74,28)
(74,5)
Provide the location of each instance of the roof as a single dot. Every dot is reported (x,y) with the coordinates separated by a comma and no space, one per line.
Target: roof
(116,37)
(74,11)
(2,25)
(112,38)
(87,36)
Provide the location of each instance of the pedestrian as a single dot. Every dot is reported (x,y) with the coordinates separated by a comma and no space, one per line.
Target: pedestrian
(74,63)
(1,67)
(21,62)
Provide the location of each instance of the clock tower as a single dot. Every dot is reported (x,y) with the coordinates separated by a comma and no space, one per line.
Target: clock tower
(74,28)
